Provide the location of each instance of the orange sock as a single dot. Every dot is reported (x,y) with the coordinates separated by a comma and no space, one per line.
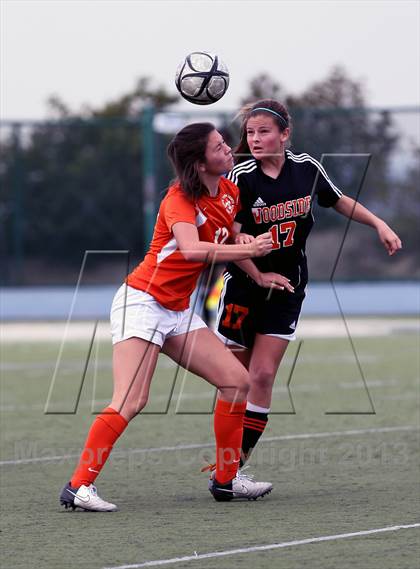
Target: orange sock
(105,430)
(228,426)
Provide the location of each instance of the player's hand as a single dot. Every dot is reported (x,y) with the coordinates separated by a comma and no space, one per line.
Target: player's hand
(389,238)
(244,239)
(275,281)
(262,245)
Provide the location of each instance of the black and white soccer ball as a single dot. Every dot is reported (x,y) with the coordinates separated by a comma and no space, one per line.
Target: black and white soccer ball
(202,78)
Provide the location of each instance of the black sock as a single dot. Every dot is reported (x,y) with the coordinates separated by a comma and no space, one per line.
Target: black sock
(254,425)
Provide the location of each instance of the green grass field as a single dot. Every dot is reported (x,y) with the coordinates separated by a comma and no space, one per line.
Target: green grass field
(337,467)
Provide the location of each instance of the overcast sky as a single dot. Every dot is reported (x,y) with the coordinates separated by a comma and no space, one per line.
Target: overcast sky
(90,51)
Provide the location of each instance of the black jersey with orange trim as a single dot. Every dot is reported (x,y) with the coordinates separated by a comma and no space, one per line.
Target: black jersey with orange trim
(282,206)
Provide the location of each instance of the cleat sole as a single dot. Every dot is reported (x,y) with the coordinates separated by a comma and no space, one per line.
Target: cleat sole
(67,505)
(261,496)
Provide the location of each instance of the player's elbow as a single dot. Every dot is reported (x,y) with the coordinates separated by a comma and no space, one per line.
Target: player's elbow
(193,255)
(196,251)
(189,255)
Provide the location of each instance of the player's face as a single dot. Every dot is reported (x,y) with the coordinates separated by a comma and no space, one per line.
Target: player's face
(219,159)
(264,137)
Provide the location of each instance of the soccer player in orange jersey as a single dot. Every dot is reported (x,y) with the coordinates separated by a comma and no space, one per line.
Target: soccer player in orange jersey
(150,313)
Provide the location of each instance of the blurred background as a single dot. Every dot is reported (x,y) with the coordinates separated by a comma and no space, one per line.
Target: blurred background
(88,105)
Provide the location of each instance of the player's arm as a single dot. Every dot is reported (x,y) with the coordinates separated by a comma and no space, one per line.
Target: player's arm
(354,210)
(188,241)
(265,280)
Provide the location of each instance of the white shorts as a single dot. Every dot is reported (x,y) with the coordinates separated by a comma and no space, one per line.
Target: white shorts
(136,314)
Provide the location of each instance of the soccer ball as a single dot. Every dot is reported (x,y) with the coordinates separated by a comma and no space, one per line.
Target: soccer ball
(202,78)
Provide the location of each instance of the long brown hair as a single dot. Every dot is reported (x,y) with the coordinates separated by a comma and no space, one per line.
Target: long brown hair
(270,107)
(185,151)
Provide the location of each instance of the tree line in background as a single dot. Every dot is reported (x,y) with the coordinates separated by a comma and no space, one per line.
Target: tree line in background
(75,182)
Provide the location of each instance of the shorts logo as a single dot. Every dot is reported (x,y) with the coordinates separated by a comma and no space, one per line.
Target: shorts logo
(229,203)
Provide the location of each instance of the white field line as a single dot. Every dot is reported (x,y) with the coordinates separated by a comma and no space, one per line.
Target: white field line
(302,388)
(193,446)
(14,332)
(408,396)
(271,546)
(165,363)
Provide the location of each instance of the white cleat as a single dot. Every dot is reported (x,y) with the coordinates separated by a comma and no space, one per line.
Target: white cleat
(242,487)
(85,497)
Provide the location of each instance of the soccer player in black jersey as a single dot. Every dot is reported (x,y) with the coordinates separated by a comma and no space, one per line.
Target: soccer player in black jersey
(261,299)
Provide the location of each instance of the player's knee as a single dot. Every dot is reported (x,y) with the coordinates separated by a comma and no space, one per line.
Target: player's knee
(263,376)
(236,385)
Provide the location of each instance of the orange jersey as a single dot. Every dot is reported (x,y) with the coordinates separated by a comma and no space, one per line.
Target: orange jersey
(164,273)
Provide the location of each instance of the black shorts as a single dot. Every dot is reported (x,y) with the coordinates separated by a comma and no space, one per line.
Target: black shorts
(246,309)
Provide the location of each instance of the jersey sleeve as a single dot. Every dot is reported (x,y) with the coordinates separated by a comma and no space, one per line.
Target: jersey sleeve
(244,204)
(327,193)
(177,209)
